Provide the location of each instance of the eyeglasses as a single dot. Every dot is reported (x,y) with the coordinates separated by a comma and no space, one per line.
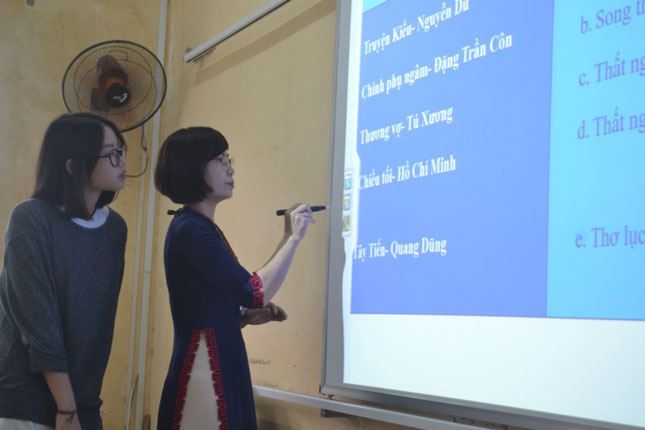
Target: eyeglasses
(225,160)
(115,156)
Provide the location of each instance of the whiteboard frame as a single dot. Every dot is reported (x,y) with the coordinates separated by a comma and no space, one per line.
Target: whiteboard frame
(332,368)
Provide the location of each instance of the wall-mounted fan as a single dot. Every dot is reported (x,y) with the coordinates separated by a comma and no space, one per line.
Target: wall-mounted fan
(119,80)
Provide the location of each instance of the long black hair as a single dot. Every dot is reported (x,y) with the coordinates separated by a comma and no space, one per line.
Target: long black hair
(77,137)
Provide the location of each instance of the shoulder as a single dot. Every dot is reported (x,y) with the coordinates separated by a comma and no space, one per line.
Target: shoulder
(117,219)
(35,207)
(32,220)
(189,227)
(32,215)
(117,224)
(186,221)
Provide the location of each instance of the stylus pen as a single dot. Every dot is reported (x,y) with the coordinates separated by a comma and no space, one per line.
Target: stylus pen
(281,212)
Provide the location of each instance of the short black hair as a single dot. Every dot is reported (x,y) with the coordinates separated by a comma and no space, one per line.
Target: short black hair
(182,160)
(77,137)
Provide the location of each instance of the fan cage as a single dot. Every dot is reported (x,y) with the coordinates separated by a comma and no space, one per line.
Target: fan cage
(146,83)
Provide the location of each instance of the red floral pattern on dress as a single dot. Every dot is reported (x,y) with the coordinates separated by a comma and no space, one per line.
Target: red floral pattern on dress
(184,377)
(258,294)
(216,376)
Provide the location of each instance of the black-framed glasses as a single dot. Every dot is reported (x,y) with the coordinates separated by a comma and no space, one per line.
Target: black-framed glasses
(115,156)
(225,160)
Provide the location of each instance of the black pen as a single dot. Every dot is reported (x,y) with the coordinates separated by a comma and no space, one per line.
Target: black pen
(281,212)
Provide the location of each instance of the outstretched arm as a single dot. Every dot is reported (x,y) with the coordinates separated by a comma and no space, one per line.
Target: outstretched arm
(274,272)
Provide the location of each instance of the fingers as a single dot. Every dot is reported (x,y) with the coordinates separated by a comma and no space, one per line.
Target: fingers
(295,208)
(281,314)
(309,218)
(270,312)
(277,314)
(273,309)
(303,212)
(299,208)
(302,208)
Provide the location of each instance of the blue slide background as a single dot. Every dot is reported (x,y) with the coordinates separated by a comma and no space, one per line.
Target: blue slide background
(493,209)
(596,182)
(519,211)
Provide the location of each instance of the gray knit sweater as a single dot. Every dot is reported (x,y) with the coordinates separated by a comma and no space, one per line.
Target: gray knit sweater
(59,287)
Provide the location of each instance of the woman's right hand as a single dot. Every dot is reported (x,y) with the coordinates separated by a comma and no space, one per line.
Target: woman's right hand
(64,423)
(296,221)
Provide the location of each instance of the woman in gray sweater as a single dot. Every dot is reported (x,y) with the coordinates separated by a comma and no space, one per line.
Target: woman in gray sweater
(63,265)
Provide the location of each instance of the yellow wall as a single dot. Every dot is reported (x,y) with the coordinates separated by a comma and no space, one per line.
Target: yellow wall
(36,45)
